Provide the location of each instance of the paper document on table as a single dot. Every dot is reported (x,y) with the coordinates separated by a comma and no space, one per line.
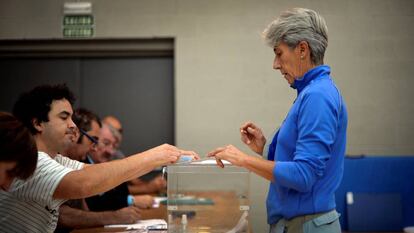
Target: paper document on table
(149,224)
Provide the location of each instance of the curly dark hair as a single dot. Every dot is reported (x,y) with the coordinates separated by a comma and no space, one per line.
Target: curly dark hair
(35,104)
(17,145)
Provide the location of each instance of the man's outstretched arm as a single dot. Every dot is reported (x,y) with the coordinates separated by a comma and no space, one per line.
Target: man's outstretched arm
(98,178)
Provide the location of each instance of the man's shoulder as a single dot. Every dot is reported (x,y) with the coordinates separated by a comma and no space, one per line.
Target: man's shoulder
(46,163)
(68,162)
(43,156)
(60,157)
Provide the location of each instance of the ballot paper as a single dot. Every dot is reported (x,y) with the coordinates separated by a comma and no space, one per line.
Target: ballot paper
(208,161)
(203,161)
(150,224)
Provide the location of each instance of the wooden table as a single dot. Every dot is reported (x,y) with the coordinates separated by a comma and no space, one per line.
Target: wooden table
(222,214)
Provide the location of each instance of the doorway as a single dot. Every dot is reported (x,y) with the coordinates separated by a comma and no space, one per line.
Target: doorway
(130,79)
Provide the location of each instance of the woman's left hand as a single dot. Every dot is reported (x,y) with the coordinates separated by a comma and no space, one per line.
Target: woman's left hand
(229,153)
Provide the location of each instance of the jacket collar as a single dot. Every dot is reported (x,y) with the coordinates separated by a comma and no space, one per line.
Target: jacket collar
(312,74)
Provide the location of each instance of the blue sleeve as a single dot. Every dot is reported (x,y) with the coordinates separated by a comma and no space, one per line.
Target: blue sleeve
(317,125)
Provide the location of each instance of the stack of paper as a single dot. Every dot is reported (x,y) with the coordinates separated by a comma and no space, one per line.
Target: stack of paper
(150,224)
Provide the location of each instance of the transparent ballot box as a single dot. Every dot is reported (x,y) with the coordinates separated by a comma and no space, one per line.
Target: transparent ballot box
(204,198)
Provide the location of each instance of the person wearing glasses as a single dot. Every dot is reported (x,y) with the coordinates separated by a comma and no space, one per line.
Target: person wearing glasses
(87,134)
(76,213)
(18,151)
(135,186)
(33,205)
(105,148)
(119,196)
(305,158)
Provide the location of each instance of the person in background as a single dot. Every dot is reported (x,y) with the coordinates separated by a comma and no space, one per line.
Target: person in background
(136,186)
(116,128)
(32,205)
(306,155)
(114,122)
(105,148)
(18,151)
(87,134)
(118,197)
(75,213)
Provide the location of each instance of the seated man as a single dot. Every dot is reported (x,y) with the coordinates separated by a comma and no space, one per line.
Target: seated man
(114,122)
(135,186)
(33,205)
(75,213)
(87,134)
(18,151)
(118,197)
(117,130)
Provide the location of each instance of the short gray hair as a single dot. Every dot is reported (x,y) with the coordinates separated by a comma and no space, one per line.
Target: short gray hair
(117,135)
(296,25)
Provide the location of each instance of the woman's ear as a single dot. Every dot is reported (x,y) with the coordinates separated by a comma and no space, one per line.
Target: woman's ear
(37,124)
(303,49)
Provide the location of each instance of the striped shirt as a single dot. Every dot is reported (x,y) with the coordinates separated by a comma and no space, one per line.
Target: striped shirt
(29,206)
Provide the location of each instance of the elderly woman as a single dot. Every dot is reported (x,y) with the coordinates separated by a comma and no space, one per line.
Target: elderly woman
(305,157)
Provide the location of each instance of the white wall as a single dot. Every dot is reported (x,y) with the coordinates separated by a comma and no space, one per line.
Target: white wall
(224,73)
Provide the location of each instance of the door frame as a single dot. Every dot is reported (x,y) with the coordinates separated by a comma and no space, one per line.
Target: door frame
(87,47)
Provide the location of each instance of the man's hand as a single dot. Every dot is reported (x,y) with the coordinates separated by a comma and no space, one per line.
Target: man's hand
(229,153)
(168,154)
(137,186)
(253,137)
(102,177)
(128,215)
(157,184)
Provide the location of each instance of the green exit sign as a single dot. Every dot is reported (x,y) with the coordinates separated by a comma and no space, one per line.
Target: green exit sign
(78,32)
(71,20)
(78,26)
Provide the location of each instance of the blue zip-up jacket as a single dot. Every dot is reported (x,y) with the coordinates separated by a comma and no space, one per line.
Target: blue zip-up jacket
(308,149)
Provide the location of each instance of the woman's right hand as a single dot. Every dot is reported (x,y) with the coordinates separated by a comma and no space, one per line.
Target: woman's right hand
(253,137)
